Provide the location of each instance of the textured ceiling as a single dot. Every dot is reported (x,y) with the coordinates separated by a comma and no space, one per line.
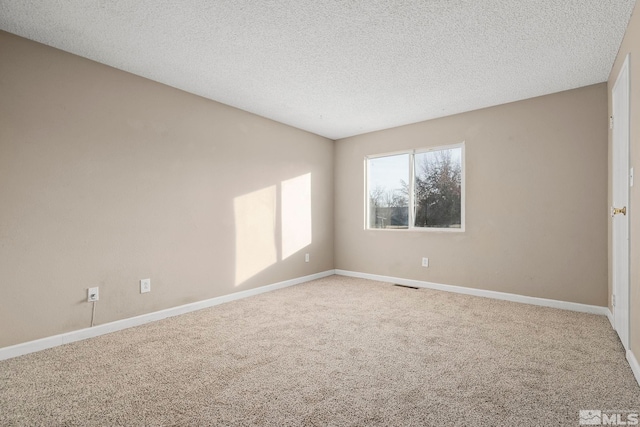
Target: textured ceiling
(340,68)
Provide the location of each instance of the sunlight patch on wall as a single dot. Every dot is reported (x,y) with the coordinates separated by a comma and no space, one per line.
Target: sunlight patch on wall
(296,214)
(255,218)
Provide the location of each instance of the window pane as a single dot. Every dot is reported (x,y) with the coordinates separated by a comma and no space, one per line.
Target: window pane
(388,189)
(438,177)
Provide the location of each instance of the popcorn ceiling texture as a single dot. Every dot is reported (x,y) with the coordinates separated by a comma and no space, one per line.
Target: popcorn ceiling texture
(340,68)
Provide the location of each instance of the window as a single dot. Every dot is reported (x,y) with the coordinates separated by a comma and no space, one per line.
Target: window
(417,189)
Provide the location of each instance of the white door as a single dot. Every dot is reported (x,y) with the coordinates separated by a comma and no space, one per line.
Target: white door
(620,209)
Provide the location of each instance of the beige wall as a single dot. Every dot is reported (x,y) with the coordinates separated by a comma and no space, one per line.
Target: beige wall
(107,178)
(536,201)
(631,44)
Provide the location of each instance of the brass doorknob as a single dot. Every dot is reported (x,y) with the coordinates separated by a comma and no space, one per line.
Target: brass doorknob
(615,211)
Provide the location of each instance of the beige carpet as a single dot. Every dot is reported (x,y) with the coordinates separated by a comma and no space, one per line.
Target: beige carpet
(336,351)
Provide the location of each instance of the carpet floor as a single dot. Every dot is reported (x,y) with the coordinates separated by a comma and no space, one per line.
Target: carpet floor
(337,351)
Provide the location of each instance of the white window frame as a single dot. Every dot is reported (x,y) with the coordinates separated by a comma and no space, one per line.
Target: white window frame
(412,179)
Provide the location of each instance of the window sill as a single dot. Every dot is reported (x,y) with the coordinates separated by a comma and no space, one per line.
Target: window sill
(419,230)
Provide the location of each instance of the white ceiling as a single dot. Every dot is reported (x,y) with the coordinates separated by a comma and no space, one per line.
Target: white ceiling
(340,68)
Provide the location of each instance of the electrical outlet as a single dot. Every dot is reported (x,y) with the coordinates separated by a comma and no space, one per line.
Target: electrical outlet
(92,294)
(145,286)
(425,262)
(306,257)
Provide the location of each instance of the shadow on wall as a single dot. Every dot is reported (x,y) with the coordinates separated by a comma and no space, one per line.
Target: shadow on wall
(257,227)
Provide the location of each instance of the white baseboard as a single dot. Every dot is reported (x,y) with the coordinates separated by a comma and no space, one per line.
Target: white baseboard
(611,319)
(68,337)
(585,308)
(635,366)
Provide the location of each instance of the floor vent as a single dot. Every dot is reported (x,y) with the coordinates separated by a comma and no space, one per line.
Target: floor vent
(405,286)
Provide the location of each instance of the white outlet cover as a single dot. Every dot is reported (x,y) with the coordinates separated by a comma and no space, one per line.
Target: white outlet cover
(145,286)
(93,294)
(425,262)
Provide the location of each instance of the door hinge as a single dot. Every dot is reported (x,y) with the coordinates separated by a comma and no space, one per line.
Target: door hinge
(613,300)
(610,122)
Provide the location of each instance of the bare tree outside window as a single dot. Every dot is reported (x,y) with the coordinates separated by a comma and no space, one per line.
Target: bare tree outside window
(438,191)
